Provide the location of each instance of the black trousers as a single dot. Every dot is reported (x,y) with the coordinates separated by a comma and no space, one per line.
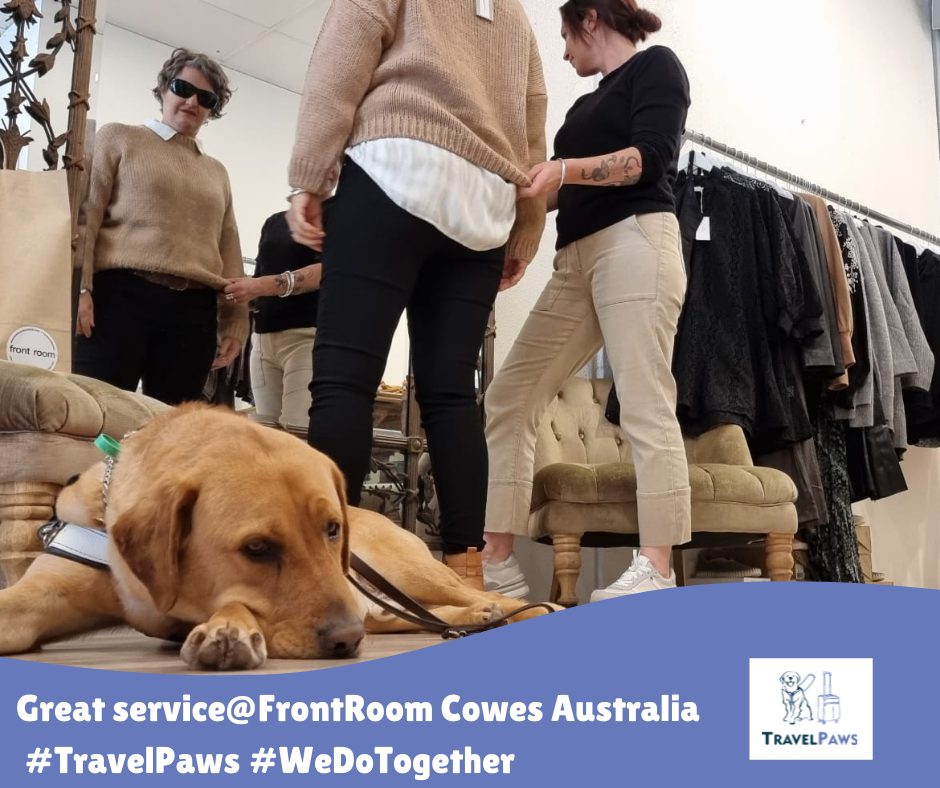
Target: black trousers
(146,332)
(378,261)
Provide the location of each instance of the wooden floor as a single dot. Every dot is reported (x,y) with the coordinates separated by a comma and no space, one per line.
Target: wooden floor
(133,652)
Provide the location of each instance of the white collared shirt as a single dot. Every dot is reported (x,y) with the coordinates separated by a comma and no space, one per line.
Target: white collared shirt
(168,132)
(470,205)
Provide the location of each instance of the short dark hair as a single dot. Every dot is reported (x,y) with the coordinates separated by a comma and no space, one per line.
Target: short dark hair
(623,16)
(180,59)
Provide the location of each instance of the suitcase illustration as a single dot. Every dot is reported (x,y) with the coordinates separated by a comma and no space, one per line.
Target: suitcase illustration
(829,709)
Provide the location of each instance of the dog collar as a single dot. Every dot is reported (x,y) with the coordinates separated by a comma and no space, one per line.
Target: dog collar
(112,448)
(87,546)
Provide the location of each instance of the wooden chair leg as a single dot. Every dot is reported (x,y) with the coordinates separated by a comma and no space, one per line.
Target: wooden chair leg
(567,565)
(24,507)
(678,565)
(779,551)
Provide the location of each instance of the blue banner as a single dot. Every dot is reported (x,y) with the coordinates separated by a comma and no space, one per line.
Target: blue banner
(832,684)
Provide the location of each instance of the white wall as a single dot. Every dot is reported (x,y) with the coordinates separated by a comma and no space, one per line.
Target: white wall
(838,91)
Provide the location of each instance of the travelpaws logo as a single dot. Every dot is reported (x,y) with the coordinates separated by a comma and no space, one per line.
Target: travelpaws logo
(811,710)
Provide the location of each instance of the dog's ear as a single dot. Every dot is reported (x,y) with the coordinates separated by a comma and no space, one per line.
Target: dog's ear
(150,534)
(340,483)
(783,679)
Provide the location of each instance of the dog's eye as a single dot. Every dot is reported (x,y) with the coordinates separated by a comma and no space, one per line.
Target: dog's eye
(260,550)
(333,530)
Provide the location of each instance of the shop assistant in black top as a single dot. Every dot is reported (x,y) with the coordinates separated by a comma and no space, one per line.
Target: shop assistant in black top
(278,253)
(643,104)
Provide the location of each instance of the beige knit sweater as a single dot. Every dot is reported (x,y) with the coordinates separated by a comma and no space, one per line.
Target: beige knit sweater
(430,70)
(161,206)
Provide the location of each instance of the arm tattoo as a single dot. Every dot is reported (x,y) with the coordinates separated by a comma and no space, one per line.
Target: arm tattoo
(632,171)
(601,173)
(298,283)
(280,283)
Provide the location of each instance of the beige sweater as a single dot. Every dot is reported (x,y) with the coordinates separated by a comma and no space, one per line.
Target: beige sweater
(161,206)
(430,70)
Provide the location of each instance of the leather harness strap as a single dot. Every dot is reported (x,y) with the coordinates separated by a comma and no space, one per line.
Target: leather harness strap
(409,610)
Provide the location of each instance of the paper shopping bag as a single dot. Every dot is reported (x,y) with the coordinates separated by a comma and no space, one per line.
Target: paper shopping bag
(35,269)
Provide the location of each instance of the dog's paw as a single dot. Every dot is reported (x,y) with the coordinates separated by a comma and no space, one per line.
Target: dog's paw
(484,612)
(222,644)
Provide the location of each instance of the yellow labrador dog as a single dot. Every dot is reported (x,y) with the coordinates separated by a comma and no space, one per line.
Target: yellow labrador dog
(234,538)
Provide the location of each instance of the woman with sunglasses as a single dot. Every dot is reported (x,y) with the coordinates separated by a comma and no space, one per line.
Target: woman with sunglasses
(437,110)
(158,244)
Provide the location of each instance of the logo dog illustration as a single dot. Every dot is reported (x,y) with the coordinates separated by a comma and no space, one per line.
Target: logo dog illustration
(797,707)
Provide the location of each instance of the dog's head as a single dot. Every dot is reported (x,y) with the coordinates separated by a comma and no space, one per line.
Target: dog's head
(208,509)
(790,680)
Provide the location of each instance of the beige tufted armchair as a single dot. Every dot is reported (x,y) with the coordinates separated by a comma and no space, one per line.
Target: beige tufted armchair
(585,489)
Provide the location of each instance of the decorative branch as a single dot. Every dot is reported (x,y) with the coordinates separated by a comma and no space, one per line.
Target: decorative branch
(20,98)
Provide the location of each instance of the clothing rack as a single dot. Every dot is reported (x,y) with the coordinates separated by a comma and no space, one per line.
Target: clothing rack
(698,138)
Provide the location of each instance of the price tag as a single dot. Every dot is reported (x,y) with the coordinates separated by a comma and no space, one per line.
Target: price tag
(485,9)
(704,232)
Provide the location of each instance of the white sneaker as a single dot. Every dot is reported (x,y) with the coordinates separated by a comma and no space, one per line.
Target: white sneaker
(641,576)
(506,578)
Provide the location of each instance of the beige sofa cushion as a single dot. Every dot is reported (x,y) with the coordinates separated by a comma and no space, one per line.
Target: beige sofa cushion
(616,483)
(33,399)
(49,421)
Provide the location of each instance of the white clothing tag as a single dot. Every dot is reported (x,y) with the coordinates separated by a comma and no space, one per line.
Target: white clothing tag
(485,9)
(704,232)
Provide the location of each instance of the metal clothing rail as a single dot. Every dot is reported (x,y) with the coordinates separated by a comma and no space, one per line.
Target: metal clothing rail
(698,138)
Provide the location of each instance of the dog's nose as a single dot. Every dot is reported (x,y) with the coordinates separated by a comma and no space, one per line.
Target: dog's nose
(341,640)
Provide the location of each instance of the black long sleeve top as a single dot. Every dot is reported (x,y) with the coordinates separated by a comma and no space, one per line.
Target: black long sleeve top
(641,104)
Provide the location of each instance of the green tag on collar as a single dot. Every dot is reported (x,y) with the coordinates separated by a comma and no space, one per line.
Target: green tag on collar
(108,445)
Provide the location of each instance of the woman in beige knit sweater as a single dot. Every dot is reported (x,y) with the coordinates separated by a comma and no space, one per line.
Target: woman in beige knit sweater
(437,110)
(158,244)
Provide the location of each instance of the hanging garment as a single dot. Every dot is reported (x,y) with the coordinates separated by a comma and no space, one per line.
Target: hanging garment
(918,405)
(799,461)
(724,362)
(859,373)
(927,433)
(833,550)
(879,338)
(832,254)
(747,298)
(821,355)
(903,363)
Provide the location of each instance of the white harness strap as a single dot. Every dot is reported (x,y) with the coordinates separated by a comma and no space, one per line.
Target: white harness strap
(88,546)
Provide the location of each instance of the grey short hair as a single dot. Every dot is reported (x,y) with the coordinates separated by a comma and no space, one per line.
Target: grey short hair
(212,71)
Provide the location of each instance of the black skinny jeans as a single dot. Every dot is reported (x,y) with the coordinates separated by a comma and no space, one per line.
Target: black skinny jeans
(379,260)
(146,332)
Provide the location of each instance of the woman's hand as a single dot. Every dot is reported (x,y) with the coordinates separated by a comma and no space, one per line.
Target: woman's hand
(85,321)
(513,271)
(305,219)
(228,352)
(245,289)
(545,177)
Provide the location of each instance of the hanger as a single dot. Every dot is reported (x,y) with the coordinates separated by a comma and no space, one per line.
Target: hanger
(699,160)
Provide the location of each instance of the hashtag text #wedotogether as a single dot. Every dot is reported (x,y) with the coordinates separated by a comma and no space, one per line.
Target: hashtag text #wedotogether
(339,760)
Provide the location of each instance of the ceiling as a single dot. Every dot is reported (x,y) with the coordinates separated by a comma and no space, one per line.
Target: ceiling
(270,40)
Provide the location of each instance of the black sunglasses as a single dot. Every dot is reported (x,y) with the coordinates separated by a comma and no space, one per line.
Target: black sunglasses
(206,98)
